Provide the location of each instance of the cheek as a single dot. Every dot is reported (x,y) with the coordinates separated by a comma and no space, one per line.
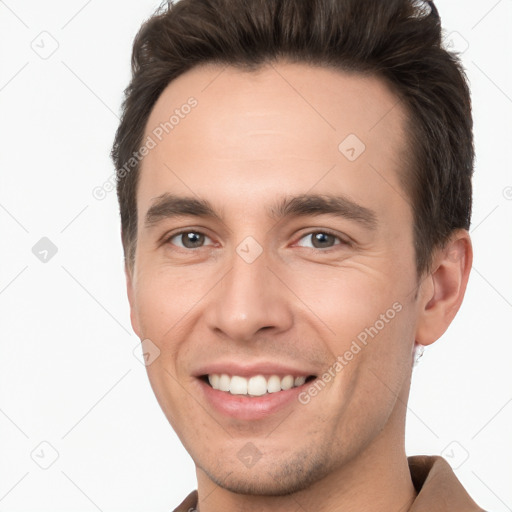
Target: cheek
(162,301)
(367,327)
(347,301)
(166,303)
(384,363)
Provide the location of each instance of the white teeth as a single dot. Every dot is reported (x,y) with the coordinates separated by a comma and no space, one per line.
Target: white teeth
(274,384)
(287,382)
(254,386)
(214,380)
(238,385)
(257,386)
(224,381)
(299,381)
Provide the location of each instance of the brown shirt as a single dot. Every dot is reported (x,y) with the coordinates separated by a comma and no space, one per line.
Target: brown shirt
(438,488)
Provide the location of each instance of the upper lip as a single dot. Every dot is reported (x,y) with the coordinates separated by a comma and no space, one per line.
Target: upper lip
(251,369)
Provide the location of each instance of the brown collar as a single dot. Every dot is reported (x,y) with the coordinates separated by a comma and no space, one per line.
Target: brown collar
(438,488)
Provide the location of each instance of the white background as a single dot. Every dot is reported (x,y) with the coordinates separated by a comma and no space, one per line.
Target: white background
(68,375)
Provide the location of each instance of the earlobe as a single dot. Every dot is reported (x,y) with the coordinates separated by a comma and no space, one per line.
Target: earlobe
(443,290)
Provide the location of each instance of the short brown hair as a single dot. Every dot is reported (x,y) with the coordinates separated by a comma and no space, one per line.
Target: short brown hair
(399,41)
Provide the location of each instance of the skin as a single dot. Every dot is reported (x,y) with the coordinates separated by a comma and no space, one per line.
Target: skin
(254,138)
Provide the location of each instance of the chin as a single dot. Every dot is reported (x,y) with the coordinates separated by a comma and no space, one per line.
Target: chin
(277,479)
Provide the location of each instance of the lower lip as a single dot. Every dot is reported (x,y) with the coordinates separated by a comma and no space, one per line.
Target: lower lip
(249,408)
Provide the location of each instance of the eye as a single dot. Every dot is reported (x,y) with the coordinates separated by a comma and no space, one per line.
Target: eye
(321,240)
(188,239)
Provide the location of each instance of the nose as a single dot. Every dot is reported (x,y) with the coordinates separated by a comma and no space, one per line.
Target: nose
(249,299)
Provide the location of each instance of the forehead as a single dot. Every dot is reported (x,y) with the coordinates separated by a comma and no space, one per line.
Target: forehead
(218,130)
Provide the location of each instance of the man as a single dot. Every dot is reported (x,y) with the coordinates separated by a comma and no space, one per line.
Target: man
(294,181)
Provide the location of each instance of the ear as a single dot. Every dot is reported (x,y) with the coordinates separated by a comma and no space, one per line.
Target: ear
(442,291)
(128,271)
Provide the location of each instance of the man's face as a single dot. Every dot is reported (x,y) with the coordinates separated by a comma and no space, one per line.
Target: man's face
(268,286)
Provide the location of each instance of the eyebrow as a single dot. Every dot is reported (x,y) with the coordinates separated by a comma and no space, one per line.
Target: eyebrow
(324,204)
(168,206)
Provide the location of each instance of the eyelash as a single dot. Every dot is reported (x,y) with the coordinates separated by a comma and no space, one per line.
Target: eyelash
(342,241)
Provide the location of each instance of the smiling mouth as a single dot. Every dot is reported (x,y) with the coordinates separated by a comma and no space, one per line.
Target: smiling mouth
(257,385)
